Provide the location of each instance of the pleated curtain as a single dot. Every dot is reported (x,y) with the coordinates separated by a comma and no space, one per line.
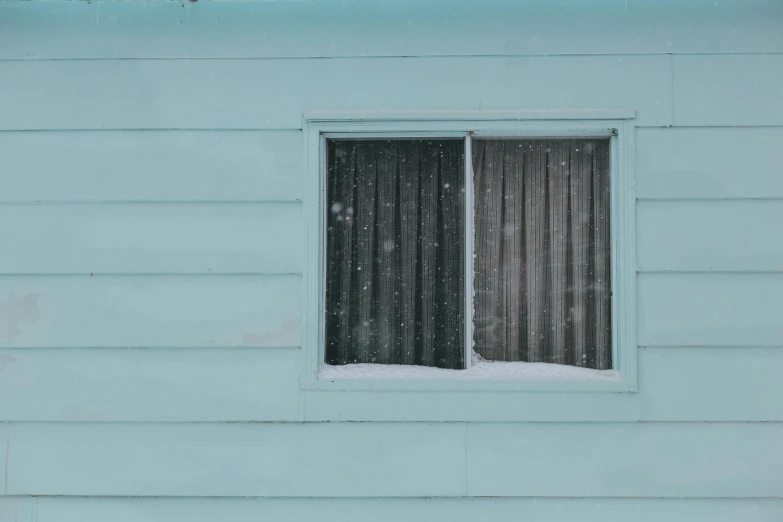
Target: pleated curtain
(395,262)
(395,242)
(542,243)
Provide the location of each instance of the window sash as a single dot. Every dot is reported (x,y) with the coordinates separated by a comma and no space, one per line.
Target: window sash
(469,228)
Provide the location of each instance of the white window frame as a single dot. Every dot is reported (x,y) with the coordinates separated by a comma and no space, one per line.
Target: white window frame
(616,124)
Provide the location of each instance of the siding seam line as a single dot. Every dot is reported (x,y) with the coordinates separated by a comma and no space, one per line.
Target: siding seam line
(709,346)
(431,497)
(740,271)
(152,202)
(465,450)
(631,421)
(7,430)
(4,129)
(541,55)
(671,79)
(144,348)
(153,274)
(714,199)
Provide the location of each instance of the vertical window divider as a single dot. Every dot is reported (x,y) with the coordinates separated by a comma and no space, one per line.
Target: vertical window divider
(470,231)
(322,209)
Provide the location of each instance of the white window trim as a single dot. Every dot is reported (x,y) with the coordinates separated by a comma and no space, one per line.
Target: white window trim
(535,123)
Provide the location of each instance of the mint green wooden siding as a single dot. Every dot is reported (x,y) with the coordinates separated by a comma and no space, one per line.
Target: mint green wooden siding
(153,252)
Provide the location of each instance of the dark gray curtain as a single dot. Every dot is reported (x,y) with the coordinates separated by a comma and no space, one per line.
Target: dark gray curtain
(395,286)
(542,244)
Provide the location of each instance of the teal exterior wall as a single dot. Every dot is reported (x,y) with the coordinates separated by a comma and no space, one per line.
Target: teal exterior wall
(153,252)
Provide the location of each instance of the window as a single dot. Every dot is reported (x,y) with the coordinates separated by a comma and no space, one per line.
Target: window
(442,251)
(487,260)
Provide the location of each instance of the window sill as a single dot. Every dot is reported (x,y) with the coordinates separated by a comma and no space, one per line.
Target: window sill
(464,385)
(481,376)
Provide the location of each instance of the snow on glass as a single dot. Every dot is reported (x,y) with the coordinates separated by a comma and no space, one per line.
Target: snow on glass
(395,258)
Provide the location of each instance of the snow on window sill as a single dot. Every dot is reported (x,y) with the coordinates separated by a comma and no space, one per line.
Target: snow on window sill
(480,370)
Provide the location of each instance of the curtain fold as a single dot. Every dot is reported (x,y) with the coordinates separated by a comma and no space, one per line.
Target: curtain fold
(395,286)
(542,245)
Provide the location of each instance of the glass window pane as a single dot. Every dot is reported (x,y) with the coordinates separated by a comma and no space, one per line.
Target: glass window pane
(542,243)
(395,286)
